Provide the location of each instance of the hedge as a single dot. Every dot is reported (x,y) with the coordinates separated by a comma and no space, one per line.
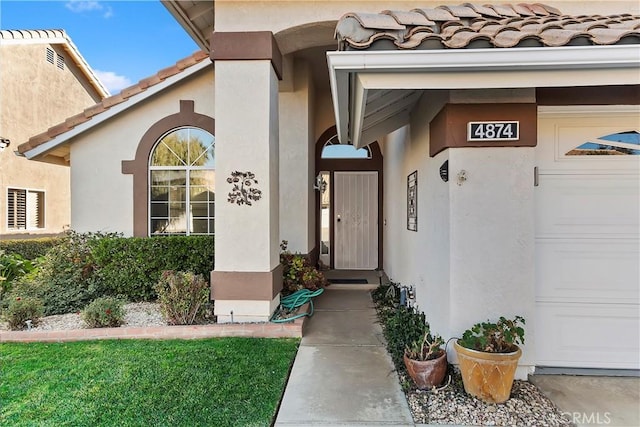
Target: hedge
(130,267)
(86,266)
(29,248)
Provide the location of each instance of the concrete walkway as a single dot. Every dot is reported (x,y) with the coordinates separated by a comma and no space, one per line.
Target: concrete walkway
(342,375)
(591,400)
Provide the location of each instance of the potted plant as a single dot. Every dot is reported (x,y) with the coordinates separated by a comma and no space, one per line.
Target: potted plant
(488,355)
(426,361)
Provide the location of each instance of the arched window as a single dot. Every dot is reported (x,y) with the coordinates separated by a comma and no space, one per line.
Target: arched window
(182,183)
(334,150)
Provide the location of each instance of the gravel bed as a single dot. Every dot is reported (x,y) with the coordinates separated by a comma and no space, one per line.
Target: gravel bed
(138,314)
(451,405)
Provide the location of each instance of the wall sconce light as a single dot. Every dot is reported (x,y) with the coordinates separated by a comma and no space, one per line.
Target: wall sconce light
(4,143)
(462,176)
(321,184)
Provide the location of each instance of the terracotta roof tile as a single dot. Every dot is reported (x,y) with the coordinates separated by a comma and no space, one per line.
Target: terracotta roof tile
(472,26)
(461,11)
(58,129)
(131,91)
(74,121)
(111,101)
(168,72)
(409,18)
(437,15)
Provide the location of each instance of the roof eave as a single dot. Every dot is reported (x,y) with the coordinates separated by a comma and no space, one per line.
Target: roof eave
(180,15)
(354,73)
(41,151)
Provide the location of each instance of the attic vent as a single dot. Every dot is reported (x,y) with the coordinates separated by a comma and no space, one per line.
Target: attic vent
(50,55)
(60,62)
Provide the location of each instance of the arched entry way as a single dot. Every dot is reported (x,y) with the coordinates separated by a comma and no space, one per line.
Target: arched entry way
(348,204)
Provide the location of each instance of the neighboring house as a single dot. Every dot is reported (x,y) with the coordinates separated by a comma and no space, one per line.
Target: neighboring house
(476,176)
(43,80)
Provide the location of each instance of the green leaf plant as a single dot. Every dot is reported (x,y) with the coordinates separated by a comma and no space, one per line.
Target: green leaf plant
(500,337)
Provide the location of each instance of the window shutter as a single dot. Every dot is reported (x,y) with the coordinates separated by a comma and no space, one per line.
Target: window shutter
(17,206)
(33,212)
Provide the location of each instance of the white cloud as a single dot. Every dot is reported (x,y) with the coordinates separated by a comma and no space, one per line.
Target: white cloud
(79,6)
(112,81)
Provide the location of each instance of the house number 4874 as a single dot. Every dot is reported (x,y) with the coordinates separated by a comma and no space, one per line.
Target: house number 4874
(493,131)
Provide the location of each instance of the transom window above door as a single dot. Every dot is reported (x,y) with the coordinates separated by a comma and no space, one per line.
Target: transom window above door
(334,150)
(182,183)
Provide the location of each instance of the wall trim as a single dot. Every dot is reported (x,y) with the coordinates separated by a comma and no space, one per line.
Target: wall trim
(246,285)
(249,45)
(139,167)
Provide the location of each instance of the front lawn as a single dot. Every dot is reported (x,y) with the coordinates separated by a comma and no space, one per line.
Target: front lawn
(213,382)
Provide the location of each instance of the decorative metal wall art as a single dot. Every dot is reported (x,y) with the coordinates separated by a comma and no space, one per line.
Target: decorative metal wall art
(242,192)
(412,201)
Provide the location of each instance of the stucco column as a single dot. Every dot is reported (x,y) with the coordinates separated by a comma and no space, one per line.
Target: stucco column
(247,277)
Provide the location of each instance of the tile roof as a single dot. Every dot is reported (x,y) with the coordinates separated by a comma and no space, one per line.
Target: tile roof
(473,26)
(111,101)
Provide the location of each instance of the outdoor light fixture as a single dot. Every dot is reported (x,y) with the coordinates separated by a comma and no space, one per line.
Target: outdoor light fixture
(321,184)
(4,143)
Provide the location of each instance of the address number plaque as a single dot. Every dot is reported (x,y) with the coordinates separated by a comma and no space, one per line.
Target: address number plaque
(493,131)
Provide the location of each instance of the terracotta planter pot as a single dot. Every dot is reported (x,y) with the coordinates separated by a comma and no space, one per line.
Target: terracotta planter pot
(427,373)
(487,376)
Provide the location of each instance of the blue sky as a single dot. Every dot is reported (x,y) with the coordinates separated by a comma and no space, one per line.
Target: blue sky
(123,41)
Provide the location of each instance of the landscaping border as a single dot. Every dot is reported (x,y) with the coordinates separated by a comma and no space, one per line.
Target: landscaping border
(292,329)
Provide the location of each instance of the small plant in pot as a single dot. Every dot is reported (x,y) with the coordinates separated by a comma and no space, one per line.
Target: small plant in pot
(426,361)
(488,355)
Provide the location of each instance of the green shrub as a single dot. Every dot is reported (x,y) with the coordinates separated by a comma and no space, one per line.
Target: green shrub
(29,248)
(12,266)
(66,279)
(22,309)
(85,266)
(182,297)
(104,312)
(401,328)
(298,273)
(130,267)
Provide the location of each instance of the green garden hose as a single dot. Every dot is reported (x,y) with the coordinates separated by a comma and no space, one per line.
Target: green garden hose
(291,302)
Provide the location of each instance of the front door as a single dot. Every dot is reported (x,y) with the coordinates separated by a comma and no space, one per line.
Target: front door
(355,220)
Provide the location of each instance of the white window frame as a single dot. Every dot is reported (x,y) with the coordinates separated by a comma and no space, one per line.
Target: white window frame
(188,170)
(41,217)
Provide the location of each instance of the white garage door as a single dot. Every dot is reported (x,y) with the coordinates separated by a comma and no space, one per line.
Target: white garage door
(588,238)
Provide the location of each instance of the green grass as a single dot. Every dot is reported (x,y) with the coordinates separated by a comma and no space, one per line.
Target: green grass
(213,382)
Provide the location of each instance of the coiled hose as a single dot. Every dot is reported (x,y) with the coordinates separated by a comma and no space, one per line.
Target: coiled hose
(292,302)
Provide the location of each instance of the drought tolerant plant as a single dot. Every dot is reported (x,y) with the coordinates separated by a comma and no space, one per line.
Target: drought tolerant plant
(298,273)
(22,309)
(12,266)
(427,348)
(500,337)
(104,312)
(66,279)
(182,296)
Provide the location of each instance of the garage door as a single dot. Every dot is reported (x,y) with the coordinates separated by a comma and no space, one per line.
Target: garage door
(588,238)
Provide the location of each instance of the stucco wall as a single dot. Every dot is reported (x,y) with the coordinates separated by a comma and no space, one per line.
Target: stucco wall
(35,95)
(248,135)
(297,218)
(472,256)
(102,196)
(418,258)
